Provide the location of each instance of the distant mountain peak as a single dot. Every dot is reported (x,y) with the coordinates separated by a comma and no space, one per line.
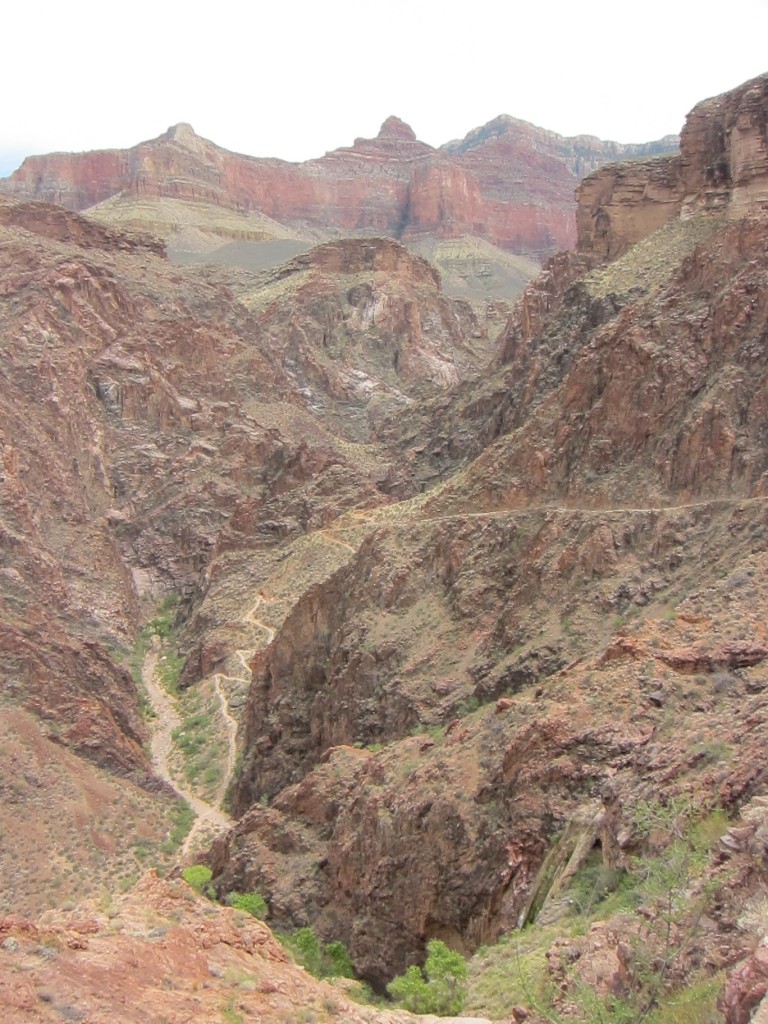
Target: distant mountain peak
(182,133)
(394,128)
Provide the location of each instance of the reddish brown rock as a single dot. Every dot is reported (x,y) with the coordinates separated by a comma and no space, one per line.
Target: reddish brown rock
(246,441)
(623,203)
(746,988)
(722,167)
(509,183)
(112,384)
(162,955)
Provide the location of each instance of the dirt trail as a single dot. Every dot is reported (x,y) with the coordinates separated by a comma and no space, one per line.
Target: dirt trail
(231,724)
(208,816)
(329,535)
(369,516)
(162,744)
(249,617)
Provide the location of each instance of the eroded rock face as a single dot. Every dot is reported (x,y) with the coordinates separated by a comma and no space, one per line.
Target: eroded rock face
(124,379)
(624,203)
(489,611)
(724,152)
(443,834)
(509,183)
(722,167)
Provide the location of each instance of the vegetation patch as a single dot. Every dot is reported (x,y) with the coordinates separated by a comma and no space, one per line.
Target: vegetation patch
(199,741)
(323,960)
(251,902)
(199,877)
(440,987)
(658,905)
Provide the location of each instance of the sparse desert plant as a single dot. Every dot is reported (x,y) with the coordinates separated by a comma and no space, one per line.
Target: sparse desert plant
(182,819)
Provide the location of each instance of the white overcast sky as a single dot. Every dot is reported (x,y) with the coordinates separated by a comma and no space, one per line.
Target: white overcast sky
(294,78)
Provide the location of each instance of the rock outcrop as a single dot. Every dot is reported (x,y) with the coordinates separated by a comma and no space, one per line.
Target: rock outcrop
(161,954)
(722,167)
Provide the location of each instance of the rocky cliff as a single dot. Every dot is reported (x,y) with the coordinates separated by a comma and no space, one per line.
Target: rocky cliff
(127,448)
(533,631)
(722,167)
(509,183)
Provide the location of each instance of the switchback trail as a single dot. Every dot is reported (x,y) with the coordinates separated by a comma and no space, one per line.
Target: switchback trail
(211,815)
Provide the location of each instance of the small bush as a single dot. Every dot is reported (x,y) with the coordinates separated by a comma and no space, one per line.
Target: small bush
(199,877)
(251,902)
(412,991)
(441,988)
(331,960)
(308,950)
(339,962)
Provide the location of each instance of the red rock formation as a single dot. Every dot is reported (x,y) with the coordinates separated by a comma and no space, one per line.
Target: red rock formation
(722,167)
(573,618)
(110,385)
(162,954)
(510,183)
(623,203)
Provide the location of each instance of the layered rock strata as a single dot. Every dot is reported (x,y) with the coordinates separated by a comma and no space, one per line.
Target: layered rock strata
(509,183)
(722,167)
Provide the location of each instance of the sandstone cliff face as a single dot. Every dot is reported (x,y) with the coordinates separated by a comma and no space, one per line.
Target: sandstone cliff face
(621,204)
(724,152)
(722,167)
(612,351)
(509,183)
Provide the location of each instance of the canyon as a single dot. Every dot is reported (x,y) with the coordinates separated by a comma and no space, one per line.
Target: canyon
(463,615)
(486,209)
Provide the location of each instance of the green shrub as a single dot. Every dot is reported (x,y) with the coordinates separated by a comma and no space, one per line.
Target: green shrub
(338,960)
(308,950)
(251,902)
(441,988)
(199,877)
(323,961)
(412,991)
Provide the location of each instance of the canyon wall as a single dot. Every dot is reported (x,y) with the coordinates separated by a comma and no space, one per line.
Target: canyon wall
(722,167)
(509,182)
